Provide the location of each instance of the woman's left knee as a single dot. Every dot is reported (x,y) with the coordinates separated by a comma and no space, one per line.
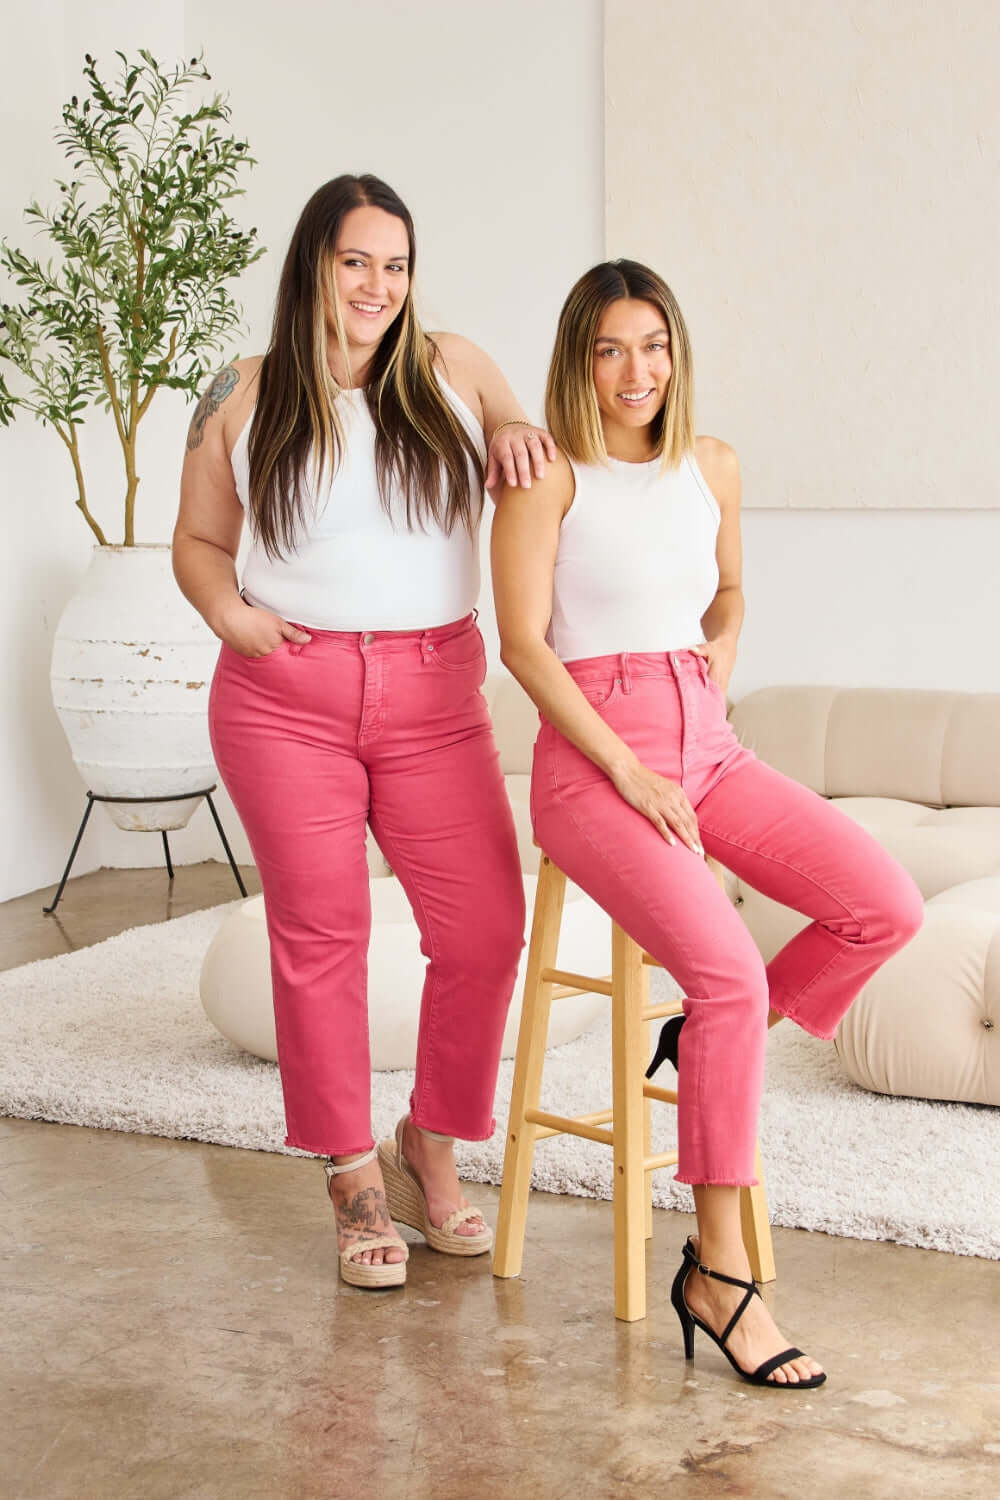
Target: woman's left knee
(903,911)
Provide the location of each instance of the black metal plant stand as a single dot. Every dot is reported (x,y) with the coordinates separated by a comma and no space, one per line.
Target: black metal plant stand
(93,797)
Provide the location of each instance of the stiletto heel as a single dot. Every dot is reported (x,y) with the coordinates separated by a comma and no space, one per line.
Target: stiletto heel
(666,1047)
(680,1308)
(688,1319)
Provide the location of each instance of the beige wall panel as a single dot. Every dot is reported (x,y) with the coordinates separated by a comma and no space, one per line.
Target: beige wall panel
(818,182)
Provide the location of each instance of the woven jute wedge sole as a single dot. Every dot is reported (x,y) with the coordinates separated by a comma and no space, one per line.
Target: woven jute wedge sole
(357,1273)
(407,1204)
(389,1273)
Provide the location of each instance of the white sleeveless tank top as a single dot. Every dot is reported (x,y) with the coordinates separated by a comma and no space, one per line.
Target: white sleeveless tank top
(354,567)
(636,566)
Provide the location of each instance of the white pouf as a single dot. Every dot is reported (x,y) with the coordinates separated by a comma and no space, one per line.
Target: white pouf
(236,975)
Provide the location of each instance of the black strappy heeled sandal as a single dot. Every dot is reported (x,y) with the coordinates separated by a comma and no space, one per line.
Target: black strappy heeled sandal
(689,1319)
(666,1047)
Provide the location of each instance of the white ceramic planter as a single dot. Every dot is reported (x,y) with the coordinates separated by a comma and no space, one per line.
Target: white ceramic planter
(132,663)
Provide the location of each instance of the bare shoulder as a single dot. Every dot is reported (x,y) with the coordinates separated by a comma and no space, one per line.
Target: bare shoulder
(460,356)
(454,346)
(247,369)
(551,496)
(721,468)
(225,403)
(462,364)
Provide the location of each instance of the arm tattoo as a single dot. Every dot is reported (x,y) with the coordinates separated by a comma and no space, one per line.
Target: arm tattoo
(222,386)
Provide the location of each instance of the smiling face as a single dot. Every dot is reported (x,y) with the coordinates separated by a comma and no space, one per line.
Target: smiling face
(372,278)
(632,368)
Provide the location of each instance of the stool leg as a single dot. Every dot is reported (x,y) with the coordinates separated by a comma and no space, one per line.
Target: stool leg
(647,1104)
(756,1227)
(628,1063)
(528,1064)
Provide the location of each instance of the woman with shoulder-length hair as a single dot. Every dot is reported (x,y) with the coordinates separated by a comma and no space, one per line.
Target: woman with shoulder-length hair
(347,693)
(619,602)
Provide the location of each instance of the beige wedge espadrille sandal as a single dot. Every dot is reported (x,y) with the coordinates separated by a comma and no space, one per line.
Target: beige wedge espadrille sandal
(357,1273)
(408,1203)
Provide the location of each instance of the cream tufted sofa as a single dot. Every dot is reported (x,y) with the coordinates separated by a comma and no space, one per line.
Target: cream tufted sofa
(921,771)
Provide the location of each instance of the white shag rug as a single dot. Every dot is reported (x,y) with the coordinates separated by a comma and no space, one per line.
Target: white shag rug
(114,1036)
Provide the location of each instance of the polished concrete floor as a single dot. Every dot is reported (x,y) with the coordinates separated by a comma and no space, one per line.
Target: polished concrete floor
(173,1329)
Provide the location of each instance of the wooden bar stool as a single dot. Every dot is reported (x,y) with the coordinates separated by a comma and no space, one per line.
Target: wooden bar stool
(626,1127)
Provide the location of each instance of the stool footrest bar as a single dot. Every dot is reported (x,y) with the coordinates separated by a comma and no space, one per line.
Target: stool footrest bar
(582,983)
(654,1163)
(566,1125)
(664,1096)
(654,1012)
(599,1117)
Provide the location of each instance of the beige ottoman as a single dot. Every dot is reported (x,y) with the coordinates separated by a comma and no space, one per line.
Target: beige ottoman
(236,975)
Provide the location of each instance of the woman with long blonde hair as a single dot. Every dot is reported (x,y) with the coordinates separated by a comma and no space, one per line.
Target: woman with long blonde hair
(347,694)
(619,600)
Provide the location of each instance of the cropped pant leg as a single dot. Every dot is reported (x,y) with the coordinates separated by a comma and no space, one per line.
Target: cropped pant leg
(777,835)
(314,742)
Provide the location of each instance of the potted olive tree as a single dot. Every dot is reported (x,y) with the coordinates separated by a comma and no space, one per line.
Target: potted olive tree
(135,300)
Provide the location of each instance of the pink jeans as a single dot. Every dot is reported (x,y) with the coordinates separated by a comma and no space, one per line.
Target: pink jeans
(775,834)
(314,742)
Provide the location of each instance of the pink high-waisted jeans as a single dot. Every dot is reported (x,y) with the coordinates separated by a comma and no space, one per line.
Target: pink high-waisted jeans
(315,741)
(775,834)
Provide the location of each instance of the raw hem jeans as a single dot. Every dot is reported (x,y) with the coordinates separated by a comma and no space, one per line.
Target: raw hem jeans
(313,742)
(777,835)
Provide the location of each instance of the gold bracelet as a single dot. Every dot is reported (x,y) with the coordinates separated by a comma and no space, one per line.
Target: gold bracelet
(511,422)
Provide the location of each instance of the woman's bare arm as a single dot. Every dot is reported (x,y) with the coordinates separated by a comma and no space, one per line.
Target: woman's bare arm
(210,519)
(723,619)
(513,451)
(524,544)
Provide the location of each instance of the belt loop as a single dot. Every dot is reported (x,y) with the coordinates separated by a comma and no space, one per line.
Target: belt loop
(623,664)
(425,647)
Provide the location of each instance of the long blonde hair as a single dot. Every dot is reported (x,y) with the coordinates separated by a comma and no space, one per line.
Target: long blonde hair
(572,414)
(420,444)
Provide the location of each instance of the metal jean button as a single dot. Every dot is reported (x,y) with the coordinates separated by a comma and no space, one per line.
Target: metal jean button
(366,640)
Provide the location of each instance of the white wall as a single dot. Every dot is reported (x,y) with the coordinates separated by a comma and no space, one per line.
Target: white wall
(818,184)
(870,599)
(488,122)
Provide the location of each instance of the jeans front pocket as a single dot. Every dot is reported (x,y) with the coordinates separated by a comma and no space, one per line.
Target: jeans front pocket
(459,652)
(599,692)
(280,650)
